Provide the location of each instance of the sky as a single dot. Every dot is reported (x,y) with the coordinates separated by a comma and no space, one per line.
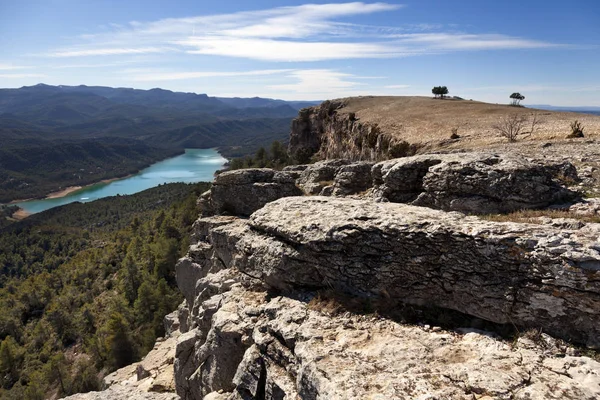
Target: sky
(549,51)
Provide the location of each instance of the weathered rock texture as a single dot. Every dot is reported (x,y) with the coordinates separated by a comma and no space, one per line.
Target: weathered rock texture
(323,133)
(529,275)
(119,392)
(153,374)
(475,183)
(242,192)
(247,343)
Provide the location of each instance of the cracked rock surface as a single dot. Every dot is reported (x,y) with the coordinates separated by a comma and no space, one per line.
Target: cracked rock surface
(287,349)
(254,328)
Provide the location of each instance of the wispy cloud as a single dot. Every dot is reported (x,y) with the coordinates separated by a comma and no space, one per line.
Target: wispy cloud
(20,76)
(143,76)
(305,33)
(109,51)
(320,84)
(397,86)
(12,67)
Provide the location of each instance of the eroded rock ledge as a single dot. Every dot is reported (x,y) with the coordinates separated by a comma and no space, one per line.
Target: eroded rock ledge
(474,183)
(245,341)
(325,133)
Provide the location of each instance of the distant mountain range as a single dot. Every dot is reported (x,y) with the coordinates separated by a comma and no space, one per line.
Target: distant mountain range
(578,109)
(51,123)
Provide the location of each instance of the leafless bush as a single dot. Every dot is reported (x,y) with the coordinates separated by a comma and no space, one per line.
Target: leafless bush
(513,125)
(576,130)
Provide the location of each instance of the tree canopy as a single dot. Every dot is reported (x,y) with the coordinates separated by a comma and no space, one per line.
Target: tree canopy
(516,98)
(440,91)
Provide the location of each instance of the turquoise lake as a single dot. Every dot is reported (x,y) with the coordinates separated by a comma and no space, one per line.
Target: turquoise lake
(196,165)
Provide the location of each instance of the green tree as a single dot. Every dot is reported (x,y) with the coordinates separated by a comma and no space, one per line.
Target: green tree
(120,346)
(440,91)
(57,371)
(279,154)
(11,359)
(516,99)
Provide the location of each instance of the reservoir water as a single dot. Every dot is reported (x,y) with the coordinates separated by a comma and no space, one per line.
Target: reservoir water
(195,165)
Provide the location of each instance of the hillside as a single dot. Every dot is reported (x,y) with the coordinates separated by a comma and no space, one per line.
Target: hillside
(57,136)
(427,120)
(33,168)
(84,288)
(351,126)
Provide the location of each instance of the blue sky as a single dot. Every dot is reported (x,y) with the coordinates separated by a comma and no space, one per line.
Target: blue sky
(547,50)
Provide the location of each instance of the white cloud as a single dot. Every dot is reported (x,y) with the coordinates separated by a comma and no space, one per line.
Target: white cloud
(311,84)
(460,41)
(106,51)
(397,86)
(305,33)
(12,67)
(280,50)
(20,76)
(144,76)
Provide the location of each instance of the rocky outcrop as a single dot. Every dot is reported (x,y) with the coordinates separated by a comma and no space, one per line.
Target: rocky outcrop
(242,192)
(325,132)
(119,392)
(474,183)
(154,374)
(257,330)
(523,274)
(271,294)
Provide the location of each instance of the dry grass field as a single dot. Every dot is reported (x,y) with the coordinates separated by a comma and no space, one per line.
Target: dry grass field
(431,121)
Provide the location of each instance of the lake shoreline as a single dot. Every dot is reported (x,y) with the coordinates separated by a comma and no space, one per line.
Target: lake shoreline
(70,189)
(80,192)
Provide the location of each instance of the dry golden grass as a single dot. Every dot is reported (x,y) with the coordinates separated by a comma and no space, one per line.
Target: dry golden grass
(430,121)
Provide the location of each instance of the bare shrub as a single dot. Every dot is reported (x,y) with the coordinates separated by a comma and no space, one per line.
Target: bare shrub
(576,130)
(513,125)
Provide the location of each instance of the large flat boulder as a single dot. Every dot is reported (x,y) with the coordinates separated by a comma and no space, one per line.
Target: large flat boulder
(529,275)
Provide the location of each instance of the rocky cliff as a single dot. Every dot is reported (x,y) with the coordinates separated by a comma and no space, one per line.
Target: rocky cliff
(362,292)
(378,128)
(324,132)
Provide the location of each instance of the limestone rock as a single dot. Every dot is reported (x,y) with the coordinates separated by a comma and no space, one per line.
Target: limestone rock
(241,192)
(154,373)
(529,275)
(119,392)
(319,175)
(353,178)
(474,183)
(290,349)
(326,132)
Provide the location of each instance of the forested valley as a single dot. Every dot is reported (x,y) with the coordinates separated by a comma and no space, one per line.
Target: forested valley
(84,288)
(52,137)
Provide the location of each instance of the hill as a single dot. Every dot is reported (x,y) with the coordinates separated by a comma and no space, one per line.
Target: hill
(385,127)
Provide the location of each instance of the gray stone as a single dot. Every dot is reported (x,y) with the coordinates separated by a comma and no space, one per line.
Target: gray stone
(474,183)
(423,256)
(119,392)
(241,192)
(353,178)
(294,350)
(319,175)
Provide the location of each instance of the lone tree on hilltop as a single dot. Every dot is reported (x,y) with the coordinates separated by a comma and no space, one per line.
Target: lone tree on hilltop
(440,91)
(516,99)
